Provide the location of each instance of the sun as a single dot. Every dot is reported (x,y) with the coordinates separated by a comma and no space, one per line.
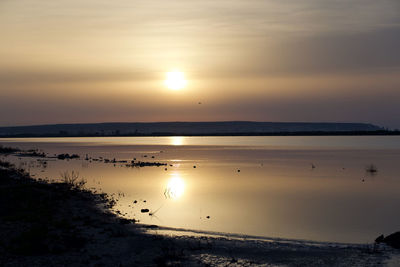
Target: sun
(175,80)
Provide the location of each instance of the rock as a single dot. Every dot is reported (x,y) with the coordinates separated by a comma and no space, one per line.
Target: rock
(379,239)
(393,240)
(144,210)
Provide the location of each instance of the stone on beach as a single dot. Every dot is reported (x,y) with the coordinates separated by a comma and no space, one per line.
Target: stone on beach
(392,240)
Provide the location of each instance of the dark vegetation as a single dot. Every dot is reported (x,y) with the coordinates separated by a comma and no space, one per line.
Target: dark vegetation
(145,164)
(60,224)
(36,153)
(67,156)
(33,153)
(44,220)
(72,180)
(32,216)
(8,150)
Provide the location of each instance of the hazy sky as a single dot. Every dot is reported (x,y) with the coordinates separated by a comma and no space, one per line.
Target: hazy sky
(69,61)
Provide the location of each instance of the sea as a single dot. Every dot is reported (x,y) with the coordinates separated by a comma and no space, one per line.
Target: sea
(321,188)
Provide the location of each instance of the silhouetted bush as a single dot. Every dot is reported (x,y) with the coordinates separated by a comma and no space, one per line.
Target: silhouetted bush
(8,150)
(71,179)
(67,156)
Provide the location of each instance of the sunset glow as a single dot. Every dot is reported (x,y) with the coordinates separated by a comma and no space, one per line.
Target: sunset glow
(242,60)
(175,80)
(206,131)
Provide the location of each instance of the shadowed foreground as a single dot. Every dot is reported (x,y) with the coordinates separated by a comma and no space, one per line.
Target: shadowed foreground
(61,224)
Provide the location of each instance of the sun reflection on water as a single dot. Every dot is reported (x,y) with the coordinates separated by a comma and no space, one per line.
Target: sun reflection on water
(175,187)
(176,140)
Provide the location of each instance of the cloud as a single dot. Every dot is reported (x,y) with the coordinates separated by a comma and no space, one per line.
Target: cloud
(30,76)
(373,51)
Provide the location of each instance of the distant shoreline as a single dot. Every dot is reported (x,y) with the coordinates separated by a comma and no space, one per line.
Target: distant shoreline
(216,128)
(307,133)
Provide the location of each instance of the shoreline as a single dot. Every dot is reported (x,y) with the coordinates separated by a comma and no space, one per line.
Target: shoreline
(81,230)
(232,134)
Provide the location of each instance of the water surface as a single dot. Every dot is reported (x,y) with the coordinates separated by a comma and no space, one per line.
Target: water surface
(264,186)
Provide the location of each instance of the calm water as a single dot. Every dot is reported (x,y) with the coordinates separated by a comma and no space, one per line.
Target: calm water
(277,193)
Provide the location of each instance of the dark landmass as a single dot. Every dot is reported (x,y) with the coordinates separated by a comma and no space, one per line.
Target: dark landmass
(63,224)
(35,153)
(226,128)
(392,240)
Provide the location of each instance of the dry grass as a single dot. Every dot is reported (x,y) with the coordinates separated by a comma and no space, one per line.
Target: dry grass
(72,180)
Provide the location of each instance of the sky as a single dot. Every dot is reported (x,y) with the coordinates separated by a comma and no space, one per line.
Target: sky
(71,61)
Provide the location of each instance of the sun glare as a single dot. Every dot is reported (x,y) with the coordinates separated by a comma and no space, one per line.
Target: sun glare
(175,187)
(175,80)
(176,140)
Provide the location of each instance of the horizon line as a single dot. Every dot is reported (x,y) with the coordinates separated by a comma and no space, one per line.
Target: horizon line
(151,122)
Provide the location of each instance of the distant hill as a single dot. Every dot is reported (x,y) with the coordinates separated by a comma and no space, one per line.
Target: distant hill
(189,128)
